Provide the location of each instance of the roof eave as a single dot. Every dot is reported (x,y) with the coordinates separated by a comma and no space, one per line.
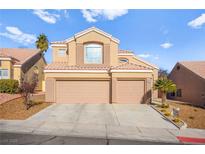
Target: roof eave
(85,32)
(146,62)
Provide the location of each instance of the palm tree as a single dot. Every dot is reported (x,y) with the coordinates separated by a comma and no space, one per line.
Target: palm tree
(165,86)
(42,43)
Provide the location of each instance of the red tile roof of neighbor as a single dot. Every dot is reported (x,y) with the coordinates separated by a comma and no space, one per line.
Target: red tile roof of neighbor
(19,55)
(198,67)
(65,66)
(4,55)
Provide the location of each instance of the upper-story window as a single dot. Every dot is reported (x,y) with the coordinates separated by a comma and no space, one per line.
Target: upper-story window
(93,53)
(61,52)
(123,60)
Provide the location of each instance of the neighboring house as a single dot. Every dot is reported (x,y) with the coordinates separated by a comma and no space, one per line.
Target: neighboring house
(18,63)
(189,77)
(90,68)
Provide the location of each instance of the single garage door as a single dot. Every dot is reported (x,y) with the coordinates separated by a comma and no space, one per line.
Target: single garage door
(82,91)
(130,91)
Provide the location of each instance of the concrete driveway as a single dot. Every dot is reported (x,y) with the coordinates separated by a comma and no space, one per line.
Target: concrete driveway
(135,115)
(105,121)
(109,122)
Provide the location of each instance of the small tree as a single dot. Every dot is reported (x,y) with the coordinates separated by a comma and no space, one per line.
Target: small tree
(165,86)
(27,88)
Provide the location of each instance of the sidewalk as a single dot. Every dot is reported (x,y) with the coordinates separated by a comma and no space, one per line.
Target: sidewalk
(143,134)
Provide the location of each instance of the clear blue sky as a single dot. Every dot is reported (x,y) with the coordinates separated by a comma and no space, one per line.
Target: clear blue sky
(162,37)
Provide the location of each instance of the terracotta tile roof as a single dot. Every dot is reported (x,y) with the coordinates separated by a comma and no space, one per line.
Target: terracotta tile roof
(130,66)
(198,67)
(65,66)
(4,55)
(19,55)
(124,51)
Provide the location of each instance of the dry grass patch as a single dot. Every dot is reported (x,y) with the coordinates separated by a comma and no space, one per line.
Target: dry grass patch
(16,109)
(193,116)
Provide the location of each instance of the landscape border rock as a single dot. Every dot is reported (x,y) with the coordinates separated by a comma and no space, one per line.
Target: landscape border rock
(180,125)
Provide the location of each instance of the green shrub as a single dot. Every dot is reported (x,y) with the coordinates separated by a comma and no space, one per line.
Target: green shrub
(9,86)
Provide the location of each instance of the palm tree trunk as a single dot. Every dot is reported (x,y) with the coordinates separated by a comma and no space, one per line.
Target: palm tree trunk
(164,97)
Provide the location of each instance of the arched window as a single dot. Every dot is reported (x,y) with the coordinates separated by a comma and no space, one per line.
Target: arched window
(36,70)
(93,53)
(123,60)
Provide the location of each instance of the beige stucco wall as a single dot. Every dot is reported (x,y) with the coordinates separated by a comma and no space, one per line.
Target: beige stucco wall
(43,85)
(114,48)
(50,88)
(17,73)
(93,36)
(133,74)
(76,75)
(40,64)
(193,86)
(6,64)
(75,57)
(72,53)
(56,57)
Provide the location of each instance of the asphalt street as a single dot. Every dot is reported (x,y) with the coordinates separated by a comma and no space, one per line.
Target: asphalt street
(31,139)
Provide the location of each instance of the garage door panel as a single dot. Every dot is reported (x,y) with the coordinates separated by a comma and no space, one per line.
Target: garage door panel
(82,92)
(130,91)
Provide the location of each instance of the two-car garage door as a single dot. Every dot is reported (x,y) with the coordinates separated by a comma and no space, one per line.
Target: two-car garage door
(127,91)
(82,92)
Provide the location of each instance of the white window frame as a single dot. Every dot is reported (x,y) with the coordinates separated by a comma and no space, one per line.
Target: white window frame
(4,77)
(62,52)
(93,45)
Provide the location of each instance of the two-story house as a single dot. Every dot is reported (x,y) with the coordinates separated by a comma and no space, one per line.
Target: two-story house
(18,63)
(90,68)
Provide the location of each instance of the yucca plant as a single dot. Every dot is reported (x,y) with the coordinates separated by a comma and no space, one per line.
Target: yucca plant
(164,85)
(42,43)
